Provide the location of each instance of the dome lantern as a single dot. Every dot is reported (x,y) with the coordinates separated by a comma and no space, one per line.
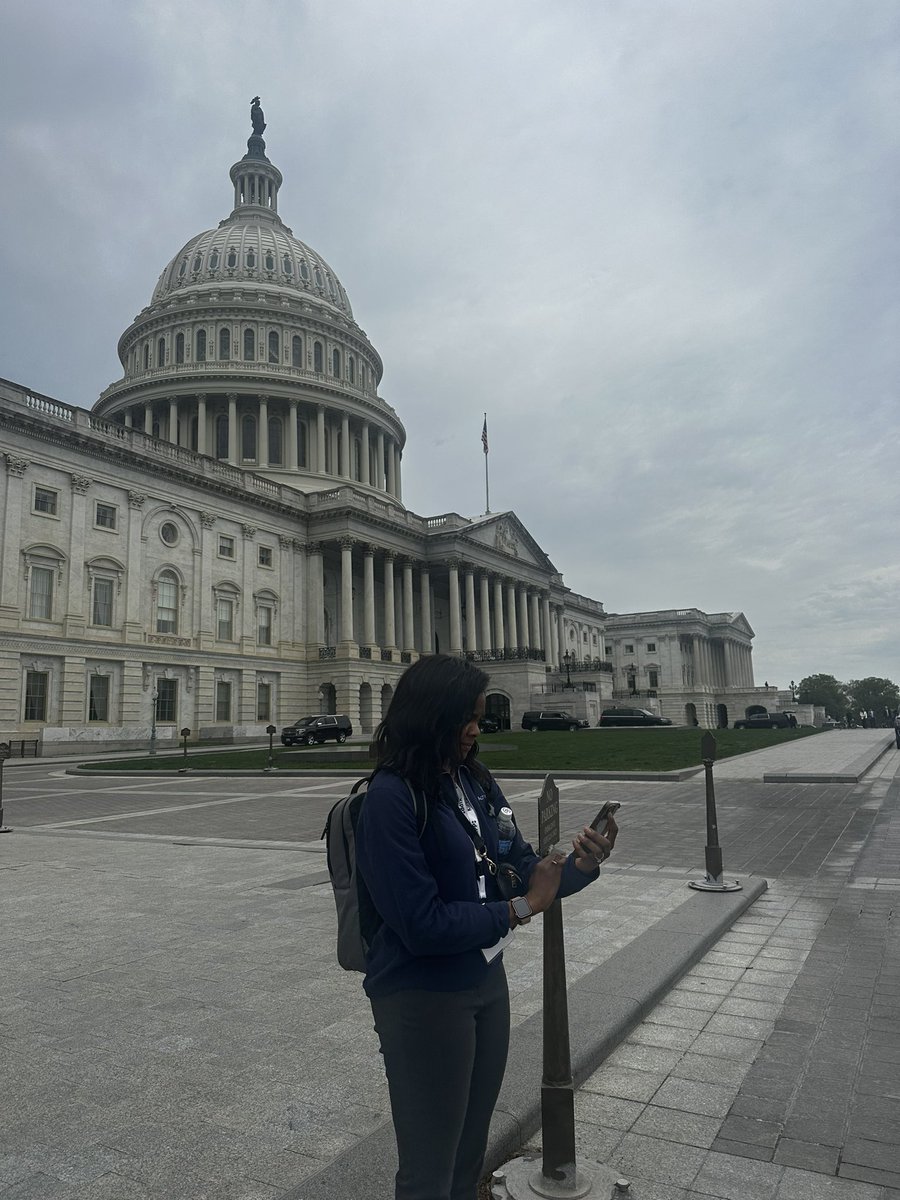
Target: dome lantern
(256,181)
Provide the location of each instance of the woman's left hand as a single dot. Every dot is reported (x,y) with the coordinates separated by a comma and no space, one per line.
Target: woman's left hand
(591,847)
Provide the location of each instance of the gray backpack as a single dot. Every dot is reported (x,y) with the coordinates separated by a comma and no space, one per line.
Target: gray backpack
(358,919)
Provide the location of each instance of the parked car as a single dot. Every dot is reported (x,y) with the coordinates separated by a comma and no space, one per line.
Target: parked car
(312,730)
(768,721)
(552,719)
(489,724)
(630,716)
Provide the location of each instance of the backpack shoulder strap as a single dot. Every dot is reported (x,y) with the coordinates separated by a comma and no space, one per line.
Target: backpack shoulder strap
(420,805)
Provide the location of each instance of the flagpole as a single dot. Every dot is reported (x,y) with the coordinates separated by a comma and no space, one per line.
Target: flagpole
(484,442)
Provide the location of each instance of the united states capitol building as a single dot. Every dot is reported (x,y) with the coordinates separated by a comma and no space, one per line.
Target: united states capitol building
(221,543)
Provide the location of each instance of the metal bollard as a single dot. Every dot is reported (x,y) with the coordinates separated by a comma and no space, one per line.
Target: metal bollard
(713,881)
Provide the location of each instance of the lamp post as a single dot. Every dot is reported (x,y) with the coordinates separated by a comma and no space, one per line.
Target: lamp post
(185,733)
(271,731)
(5,752)
(153,699)
(567,658)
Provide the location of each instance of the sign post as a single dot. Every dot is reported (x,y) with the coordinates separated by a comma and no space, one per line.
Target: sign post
(713,881)
(5,752)
(185,734)
(271,731)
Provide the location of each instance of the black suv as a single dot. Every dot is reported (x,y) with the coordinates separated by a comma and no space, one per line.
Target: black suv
(551,720)
(310,730)
(489,724)
(630,716)
(768,721)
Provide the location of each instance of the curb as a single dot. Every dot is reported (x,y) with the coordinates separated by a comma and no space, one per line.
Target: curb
(604,1006)
(853,774)
(341,773)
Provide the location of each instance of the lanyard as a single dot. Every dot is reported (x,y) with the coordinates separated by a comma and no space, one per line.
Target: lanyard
(467,816)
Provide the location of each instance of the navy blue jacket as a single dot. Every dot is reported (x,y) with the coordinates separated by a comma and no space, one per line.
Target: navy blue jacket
(426,889)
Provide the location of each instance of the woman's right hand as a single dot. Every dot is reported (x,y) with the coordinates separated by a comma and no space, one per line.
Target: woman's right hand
(544,882)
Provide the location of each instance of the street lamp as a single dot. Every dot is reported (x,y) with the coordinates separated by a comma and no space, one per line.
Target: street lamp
(153,699)
(567,658)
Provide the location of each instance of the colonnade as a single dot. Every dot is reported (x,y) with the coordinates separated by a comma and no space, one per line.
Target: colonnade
(721,662)
(284,434)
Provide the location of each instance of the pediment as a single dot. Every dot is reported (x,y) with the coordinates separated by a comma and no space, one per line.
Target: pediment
(504,532)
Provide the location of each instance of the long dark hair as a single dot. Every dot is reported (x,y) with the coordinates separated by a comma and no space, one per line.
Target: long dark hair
(419,735)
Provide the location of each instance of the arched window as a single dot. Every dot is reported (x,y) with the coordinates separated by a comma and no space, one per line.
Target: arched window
(351,368)
(249,345)
(182,268)
(270,261)
(336,363)
(200,355)
(318,274)
(231,260)
(317,357)
(179,348)
(274,348)
(248,437)
(222,436)
(296,351)
(146,355)
(250,259)
(198,262)
(276,451)
(286,265)
(161,352)
(167,602)
(304,270)
(302,444)
(225,343)
(214,261)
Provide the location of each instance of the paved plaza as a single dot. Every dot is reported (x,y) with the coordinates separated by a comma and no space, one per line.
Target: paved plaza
(173,1025)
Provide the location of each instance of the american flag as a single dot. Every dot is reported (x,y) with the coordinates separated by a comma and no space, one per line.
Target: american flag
(484,440)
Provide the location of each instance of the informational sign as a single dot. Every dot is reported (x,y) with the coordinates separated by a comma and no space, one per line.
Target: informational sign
(548,816)
(5,750)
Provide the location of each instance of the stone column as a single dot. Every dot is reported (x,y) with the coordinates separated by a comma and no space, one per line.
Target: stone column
(390,635)
(391,469)
(232,428)
(369,596)
(262,443)
(320,440)
(560,634)
(378,481)
(554,635)
(425,604)
(74,610)
(398,484)
(455,612)
(525,636)
(248,570)
(409,638)
(134,584)
(292,455)
(173,421)
(471,618)
(485,608)
(345,446)
(511,614)
(364,474)
(499,629)
(545,629)
(148,420)
(201,423)
(315,598)
(535,622)
(347,590)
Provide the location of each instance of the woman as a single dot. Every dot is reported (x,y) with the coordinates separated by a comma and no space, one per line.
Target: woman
(439,998)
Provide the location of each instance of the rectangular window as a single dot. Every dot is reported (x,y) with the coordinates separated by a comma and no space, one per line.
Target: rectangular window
(264,625)
(98,698)
(651,647)
(265,556)
(106,516)
(225,620)
(102,606)
(166,606)
(40,606)
(223,701)
(36,689)
(263,701)
(46,501)
(653,678)
(629,649)
(226,546)
(166,700)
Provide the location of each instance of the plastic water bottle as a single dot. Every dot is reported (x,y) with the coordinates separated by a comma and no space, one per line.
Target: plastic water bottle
(506,828)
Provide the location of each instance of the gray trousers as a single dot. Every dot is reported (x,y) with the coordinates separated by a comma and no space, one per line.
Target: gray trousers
(444,1056)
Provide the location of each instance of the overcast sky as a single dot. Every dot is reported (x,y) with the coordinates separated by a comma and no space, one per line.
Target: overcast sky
(656,241)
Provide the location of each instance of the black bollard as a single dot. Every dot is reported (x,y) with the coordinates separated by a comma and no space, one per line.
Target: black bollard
(185,733)
(271,731)
(5,752)
(713,881)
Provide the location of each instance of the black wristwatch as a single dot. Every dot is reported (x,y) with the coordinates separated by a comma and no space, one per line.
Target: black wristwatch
(523,910)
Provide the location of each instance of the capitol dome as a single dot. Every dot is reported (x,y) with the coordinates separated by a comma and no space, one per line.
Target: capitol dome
(249,353)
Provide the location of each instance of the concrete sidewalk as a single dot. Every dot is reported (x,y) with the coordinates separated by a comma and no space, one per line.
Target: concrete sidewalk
(173,1024)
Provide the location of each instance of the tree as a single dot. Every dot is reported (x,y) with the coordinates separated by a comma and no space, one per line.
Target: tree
(875,695)
(826,691)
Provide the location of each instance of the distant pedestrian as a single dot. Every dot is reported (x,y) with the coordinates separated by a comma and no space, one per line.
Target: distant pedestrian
(897,729)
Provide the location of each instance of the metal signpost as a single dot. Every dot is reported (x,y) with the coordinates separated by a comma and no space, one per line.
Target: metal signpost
(185,733)
(271,730)
(5,752)
(713,881)
(559,1175)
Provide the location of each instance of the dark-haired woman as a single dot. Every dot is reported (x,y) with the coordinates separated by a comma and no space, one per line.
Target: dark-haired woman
(434,973)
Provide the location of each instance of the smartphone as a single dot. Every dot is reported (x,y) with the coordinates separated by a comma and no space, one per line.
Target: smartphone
(609,809)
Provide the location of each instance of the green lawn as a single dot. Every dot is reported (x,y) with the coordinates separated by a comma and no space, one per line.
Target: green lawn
(588,749)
